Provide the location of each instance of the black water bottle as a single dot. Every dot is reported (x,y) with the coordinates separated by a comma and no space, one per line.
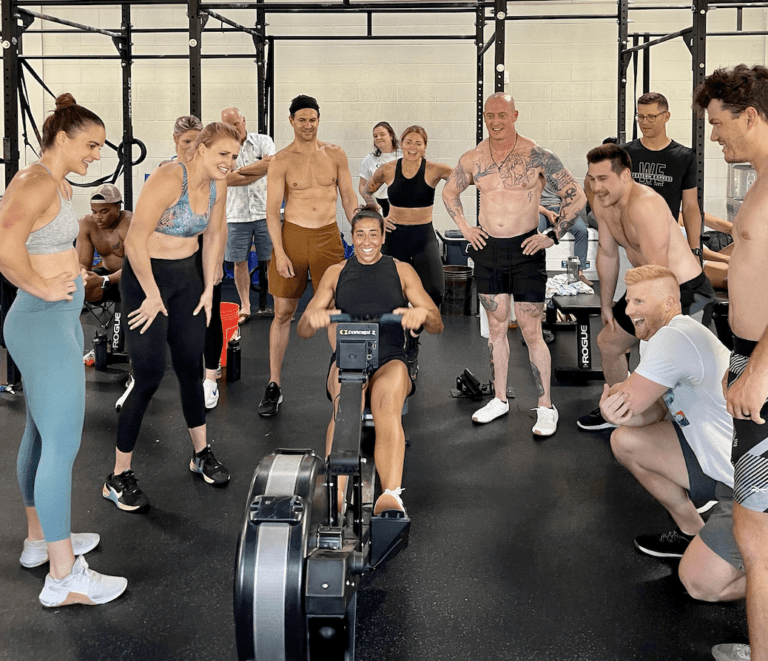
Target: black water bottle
(233,359)
(100,351)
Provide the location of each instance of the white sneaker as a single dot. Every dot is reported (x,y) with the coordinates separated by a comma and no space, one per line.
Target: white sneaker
(211,390)
(36,553)
(82,586)
(732,652)
(546,421)
(492,410)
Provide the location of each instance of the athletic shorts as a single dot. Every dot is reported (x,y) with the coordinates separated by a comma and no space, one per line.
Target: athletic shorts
(312,249)
(717,532)
(749,454)
(502,268)
(695,295)
(240,237)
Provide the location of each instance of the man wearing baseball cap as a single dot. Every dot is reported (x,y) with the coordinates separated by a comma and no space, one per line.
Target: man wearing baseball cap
(103,231)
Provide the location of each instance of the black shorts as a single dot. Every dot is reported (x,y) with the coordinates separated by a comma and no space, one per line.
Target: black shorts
(502,268)
(695,295)
(749,454)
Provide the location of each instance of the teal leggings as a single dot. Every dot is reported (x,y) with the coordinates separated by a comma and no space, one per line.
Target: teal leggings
(46,342)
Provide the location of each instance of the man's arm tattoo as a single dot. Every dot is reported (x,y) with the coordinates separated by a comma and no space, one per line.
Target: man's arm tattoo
(459,178)
(537,379)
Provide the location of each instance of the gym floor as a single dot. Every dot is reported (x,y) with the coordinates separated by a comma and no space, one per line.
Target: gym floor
(519,548)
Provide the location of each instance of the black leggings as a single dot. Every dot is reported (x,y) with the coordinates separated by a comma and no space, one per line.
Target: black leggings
(181,285)
(214,334)
(417,245)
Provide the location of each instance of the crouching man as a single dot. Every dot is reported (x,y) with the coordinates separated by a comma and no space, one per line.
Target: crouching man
(685,459)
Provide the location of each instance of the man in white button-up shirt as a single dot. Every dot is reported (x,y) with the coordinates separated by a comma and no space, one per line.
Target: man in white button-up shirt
(246,210)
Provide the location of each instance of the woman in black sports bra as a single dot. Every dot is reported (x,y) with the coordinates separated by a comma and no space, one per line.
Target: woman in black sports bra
(370,284)
(411,183)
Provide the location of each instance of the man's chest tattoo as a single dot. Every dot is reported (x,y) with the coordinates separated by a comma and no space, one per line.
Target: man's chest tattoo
(517,170)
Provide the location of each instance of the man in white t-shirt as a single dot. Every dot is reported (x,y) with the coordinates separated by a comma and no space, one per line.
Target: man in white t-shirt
(686,459)
(247,211)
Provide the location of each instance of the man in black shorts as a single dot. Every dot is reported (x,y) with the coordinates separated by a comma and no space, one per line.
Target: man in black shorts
(736,102)
(511,172)
(666,166)
(636,218)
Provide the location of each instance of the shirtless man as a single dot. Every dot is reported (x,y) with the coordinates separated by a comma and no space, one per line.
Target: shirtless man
(638,219)
(511,171)
(103,230)
(736,102)
(309,175)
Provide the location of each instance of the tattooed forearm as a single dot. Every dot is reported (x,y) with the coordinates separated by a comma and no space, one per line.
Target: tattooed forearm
(489,302)
(537,379)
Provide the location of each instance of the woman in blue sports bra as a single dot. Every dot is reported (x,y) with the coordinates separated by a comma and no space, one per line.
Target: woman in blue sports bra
(38,227)
(168,298)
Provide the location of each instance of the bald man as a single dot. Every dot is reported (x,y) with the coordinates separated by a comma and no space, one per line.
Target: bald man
(247,211)
(686,459)
(511,171)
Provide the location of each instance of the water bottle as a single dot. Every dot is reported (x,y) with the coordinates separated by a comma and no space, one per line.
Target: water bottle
(572,266)
(100,351)
(233,359)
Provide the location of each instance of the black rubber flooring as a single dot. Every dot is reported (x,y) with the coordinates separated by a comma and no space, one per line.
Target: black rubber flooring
(520,549)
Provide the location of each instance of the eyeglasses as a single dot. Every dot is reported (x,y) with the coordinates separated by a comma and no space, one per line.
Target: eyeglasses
(650,118)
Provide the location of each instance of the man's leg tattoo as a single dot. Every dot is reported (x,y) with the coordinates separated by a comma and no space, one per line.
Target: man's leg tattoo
(537,379)
(493,368)
(489,302)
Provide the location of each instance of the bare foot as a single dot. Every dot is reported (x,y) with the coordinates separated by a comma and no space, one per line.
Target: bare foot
(584,279)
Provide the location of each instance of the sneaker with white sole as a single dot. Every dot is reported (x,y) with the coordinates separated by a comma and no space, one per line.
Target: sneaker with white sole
(210,468)
(211,391)
(390,513)
(82,586)
(546,421)
(492,410)
(36,553)
(732,652)
(123,490)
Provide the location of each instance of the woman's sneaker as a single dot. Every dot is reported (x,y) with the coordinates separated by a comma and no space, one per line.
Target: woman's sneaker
(82,586)
(211,392)
(36,553)
(212,471)
(123,490)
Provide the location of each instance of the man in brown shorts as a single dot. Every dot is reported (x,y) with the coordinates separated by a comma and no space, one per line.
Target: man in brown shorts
(309,175)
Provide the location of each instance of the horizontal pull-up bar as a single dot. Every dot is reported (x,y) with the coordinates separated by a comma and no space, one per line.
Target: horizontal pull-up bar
(79,26)
(327,8)
(550,17)
(660,40)
(237,26)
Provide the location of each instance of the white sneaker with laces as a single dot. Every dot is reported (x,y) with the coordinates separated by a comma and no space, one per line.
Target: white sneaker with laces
(36,553)
(211,390)
(395,493)
(492,410)
(82,586)
(732,652)
(546,421)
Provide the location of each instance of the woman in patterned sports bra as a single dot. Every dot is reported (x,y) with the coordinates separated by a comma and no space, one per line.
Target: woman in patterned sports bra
(38,227)
(168,299)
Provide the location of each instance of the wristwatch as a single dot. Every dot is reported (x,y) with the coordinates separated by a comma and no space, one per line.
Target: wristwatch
(552,234)
(105,282)
(696,251)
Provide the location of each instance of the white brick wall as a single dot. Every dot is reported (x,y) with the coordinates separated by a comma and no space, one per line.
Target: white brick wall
(562,75)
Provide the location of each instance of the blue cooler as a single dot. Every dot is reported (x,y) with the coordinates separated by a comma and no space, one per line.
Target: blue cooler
(454,247)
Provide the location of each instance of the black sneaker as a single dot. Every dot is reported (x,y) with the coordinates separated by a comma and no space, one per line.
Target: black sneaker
(412,356)
(670,544)
(209,467)
(594,421)
(123,490)
(273,397)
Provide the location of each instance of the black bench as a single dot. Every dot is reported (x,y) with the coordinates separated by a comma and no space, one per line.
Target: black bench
(581,306)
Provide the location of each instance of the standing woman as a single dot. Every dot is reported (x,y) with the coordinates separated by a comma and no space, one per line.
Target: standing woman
(165,291)
(185,132)
(411,182)
(38,227)
(386,148)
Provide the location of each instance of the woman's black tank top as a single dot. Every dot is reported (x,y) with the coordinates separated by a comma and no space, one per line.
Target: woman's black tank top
(367,291)
(413,193)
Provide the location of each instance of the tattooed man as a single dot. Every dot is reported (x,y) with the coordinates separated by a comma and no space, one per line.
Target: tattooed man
(638,219)
(103,230)
(511,171)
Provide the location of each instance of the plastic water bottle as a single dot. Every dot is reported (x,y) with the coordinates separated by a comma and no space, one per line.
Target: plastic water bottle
(233,359)
(572,266)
